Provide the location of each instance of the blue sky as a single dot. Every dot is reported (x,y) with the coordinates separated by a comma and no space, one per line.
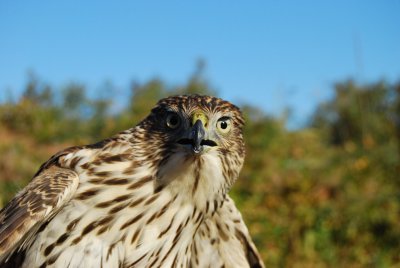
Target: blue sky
(272,54)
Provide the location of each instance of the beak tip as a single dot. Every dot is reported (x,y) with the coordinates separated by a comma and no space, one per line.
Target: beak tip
(197,150)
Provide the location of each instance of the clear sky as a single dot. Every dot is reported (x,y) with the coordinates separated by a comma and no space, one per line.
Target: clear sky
(272,54)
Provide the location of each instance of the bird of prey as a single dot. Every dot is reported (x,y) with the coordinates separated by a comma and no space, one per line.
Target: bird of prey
(155,195)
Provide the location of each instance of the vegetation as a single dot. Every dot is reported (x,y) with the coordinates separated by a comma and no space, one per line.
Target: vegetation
(327,195)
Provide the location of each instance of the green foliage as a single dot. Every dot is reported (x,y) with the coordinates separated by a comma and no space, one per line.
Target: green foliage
(323,196)
(358,113)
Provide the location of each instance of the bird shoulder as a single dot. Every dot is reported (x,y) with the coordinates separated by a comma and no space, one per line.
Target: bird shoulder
(21,219)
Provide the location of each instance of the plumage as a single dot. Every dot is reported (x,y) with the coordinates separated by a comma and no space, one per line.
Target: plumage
(155,195)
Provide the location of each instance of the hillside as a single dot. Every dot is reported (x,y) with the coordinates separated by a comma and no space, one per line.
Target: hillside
(327,195)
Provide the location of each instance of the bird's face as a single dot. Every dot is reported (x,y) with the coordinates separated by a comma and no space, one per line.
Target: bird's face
(199,131)
(197,125)
(196,134)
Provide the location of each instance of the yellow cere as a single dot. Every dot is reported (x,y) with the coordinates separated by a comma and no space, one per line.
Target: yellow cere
(199,116)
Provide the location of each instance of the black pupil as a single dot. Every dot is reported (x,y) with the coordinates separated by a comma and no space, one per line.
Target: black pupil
(173,120)
(224,125)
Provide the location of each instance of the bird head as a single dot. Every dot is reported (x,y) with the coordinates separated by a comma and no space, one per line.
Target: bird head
(200,136)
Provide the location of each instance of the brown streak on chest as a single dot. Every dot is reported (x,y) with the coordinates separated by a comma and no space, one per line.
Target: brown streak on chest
(140,182)
(138,260)
(118,208)
(131,221)
(88,194)
(102,174)
(116,181)
(151,199)
(167,228)
(71,226)
(196,176)
(113,201)
(136,202)
(135,236)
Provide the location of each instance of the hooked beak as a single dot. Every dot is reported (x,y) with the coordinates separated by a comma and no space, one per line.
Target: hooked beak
(197,135)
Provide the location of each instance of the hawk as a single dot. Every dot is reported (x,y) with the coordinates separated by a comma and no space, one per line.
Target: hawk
(155,195)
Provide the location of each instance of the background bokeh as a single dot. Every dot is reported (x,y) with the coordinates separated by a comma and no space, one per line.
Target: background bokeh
(319,84)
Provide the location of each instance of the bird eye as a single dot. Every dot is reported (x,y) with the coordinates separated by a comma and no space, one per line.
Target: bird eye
(173,121)
(224,125)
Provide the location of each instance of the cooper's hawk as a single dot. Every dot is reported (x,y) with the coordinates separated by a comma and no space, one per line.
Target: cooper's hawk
(152,196)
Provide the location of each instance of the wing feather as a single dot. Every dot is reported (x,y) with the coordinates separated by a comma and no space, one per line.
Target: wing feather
(36,204)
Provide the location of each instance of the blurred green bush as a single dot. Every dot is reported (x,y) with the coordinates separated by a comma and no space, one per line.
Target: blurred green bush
(327,195)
